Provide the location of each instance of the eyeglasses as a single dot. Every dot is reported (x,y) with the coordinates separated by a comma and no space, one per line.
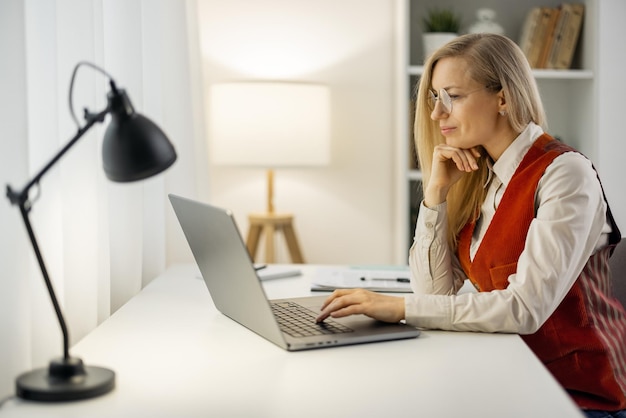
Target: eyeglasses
(445,99)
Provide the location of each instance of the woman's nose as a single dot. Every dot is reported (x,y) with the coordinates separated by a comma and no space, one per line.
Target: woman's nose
(439,111)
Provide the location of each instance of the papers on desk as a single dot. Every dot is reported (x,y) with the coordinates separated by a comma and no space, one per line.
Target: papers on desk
(378,279)
(271,271)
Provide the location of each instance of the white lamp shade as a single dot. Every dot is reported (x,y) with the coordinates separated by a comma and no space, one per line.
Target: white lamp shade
(269,124)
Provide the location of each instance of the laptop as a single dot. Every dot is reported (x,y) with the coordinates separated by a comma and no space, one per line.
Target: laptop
(237,292)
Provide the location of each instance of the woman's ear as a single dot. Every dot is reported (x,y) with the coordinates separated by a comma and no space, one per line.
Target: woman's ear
(502,107)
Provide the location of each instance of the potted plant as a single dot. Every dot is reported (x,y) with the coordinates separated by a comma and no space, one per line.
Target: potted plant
(440,27)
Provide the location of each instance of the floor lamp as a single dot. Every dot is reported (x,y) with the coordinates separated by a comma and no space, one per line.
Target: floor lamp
(270,125)
(133,148)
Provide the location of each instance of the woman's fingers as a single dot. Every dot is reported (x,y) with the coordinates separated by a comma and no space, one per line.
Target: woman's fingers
(464,159)
(331,304)
(358,301)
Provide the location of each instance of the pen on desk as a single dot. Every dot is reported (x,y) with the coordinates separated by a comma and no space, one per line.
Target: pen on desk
(397,279)
(260,267)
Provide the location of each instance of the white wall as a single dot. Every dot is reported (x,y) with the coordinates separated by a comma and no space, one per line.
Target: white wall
(343,212)
(611,96)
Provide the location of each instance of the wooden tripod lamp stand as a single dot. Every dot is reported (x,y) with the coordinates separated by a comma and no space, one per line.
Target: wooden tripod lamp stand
(270,125)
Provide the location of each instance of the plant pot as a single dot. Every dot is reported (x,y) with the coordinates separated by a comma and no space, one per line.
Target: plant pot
(432,41)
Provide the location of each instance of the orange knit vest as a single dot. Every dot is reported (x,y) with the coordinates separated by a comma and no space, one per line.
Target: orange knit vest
(583,343)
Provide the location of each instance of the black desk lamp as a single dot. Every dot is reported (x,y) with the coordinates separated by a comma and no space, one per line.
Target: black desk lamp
(133,148)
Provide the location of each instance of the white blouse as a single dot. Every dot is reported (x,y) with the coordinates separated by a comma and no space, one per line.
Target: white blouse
(569,227)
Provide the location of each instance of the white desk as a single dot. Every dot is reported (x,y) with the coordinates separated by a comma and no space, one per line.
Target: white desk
(176,356)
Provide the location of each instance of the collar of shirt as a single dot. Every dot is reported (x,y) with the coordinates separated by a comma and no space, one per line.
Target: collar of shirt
(511,158)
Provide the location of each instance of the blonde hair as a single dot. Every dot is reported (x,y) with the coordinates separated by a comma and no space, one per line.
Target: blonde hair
(497,63)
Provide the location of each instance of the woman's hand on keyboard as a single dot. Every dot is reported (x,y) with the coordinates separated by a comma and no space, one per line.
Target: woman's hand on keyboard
(347,302)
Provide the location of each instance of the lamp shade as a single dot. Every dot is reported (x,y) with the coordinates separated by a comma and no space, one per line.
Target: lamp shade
(269,124)
(134,148)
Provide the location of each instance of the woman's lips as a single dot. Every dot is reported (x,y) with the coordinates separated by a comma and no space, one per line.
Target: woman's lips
(445,130)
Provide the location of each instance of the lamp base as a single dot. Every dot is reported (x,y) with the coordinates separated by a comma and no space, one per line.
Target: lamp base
(65,380)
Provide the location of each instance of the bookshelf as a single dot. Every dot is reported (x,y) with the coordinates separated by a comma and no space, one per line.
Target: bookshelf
(569,96)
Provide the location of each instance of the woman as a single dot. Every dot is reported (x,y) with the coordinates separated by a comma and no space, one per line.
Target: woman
(519,214)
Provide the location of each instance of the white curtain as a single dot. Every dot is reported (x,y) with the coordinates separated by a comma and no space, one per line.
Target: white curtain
(102,241)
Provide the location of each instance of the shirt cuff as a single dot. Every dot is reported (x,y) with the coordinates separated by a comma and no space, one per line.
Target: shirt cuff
(431,224)
(428,311)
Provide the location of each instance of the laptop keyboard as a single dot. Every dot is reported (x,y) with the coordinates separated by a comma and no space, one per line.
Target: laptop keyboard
(298,321)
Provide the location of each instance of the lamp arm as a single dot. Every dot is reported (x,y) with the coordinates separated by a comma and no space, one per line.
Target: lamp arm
(22,196)
(21,199)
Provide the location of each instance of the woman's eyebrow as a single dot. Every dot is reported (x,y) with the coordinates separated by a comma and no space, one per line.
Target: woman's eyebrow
(446,88)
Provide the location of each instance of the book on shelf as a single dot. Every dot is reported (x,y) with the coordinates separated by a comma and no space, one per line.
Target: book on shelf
(528,38)
(551,15)
(567,34)
(540,36)
(550,35)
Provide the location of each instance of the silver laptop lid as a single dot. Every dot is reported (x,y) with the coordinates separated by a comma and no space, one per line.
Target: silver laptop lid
(226,266)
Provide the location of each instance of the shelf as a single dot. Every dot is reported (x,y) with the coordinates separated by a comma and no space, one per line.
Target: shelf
(414,175)
(539,73)
(563,74)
